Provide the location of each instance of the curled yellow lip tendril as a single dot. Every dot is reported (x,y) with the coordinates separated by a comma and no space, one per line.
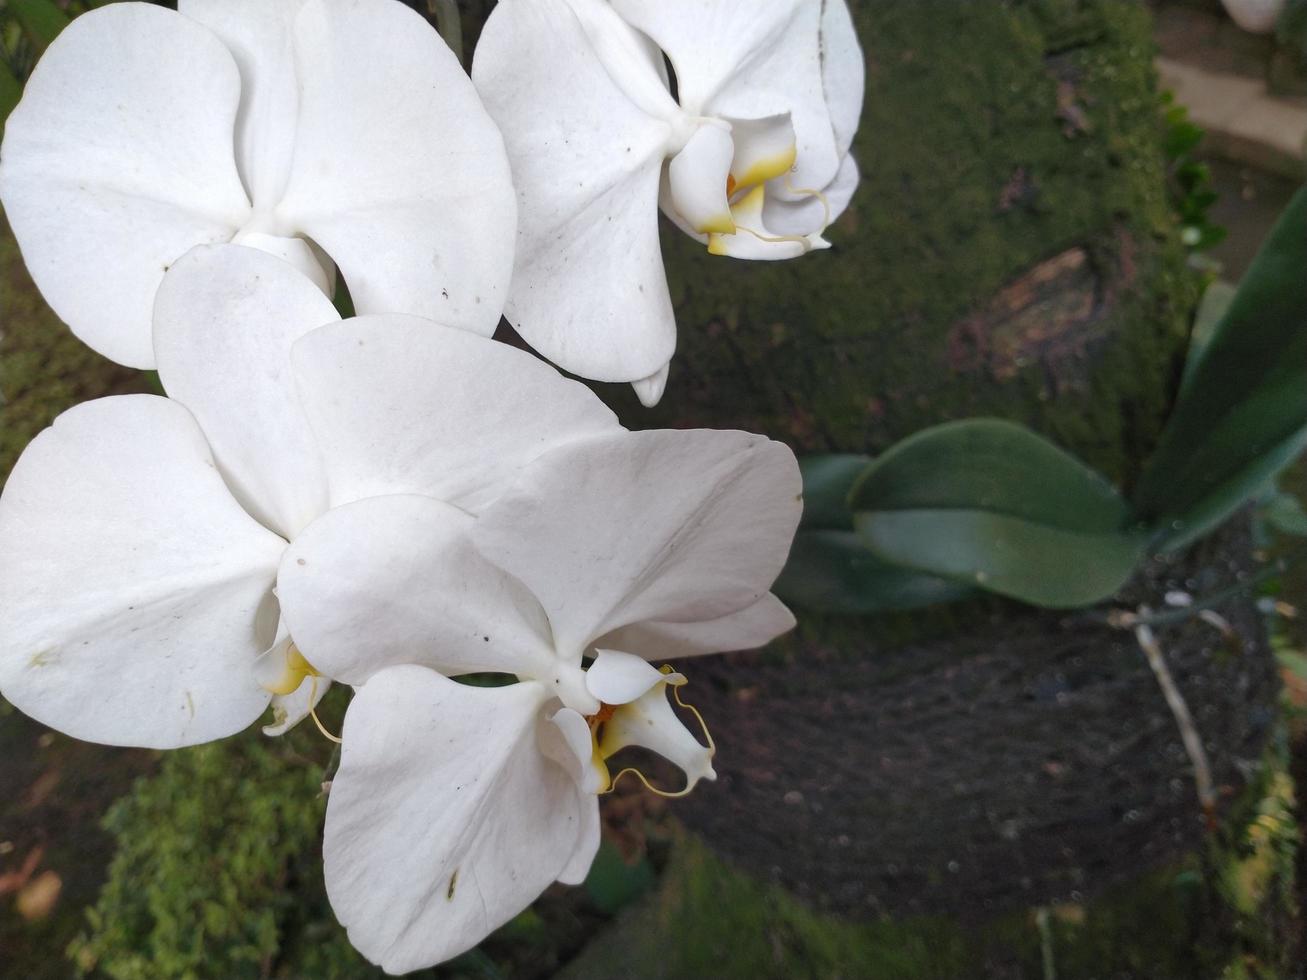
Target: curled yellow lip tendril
(606,711)
(750,199)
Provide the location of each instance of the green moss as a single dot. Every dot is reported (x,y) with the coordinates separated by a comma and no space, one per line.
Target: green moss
(202,882)
(44,369)
(983,155)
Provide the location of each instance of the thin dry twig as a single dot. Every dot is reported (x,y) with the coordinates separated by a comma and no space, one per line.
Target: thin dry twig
(1193,743)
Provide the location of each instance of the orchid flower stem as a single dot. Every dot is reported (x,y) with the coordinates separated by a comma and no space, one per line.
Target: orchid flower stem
(1043,922)
(1193,743)
(449,23)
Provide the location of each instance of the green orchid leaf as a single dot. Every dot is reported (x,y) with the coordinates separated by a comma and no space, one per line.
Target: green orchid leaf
(1215,302)
(1284,513)
(833,571)
(827,480)
(42,20)
(1242,412)
(991,504)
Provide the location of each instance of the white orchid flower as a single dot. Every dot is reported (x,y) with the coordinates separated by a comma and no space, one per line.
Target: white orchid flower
(140,536)
(332,133)
(455,806)
(751,156)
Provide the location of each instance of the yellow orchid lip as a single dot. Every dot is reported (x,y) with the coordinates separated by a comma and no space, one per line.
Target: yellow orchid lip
(764,169)
(603,747)
(296,670)
(718,224)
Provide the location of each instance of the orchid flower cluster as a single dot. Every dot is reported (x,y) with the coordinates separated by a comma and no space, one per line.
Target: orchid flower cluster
(395,500)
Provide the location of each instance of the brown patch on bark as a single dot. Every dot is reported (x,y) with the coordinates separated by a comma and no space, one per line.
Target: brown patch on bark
(1051,316)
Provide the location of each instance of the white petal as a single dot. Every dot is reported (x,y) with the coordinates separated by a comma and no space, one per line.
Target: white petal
(662,525)
(843,72)
(574,748)
(118,159)
(812,213)
(395,580)
(618,678)
(131,583)
(577,868)
(650,390)
(696,178)
(589,291)
(764,149)
(631,59)
(751,627)
(401,405)
(258,34)
(747,61)
(225,320)
(445,819)
(650,722)
(399,174)
(299,252)
(288,710)
(754,240)
(282,668)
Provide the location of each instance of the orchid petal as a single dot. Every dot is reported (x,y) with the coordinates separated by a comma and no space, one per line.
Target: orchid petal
(298,252)
(258,35)
(631,59)
(225,320)
(754,240)
(589,291)
(117,160)
(843,71)
(618,678)
(401,405)
(578,865)
(747,61)
(288,710)
(445,818)
(398,172)
(800,217)
(572,746)
(751,627)
(661,525)
(574,749)
(395,580)
(650,390)
(764,149)
(697,178)
(649,722)
(282,669)
(132,586)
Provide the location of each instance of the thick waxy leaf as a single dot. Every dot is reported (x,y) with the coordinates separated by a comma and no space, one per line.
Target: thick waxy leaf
(1242,413)
(1285,513)
(834,571)
(827,480)
(992,504)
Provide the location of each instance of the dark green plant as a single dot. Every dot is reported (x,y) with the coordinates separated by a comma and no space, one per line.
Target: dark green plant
(988,504)
(1189,179)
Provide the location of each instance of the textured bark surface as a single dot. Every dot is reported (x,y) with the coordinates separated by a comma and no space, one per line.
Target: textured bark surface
(1029,761)
(1009,252)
